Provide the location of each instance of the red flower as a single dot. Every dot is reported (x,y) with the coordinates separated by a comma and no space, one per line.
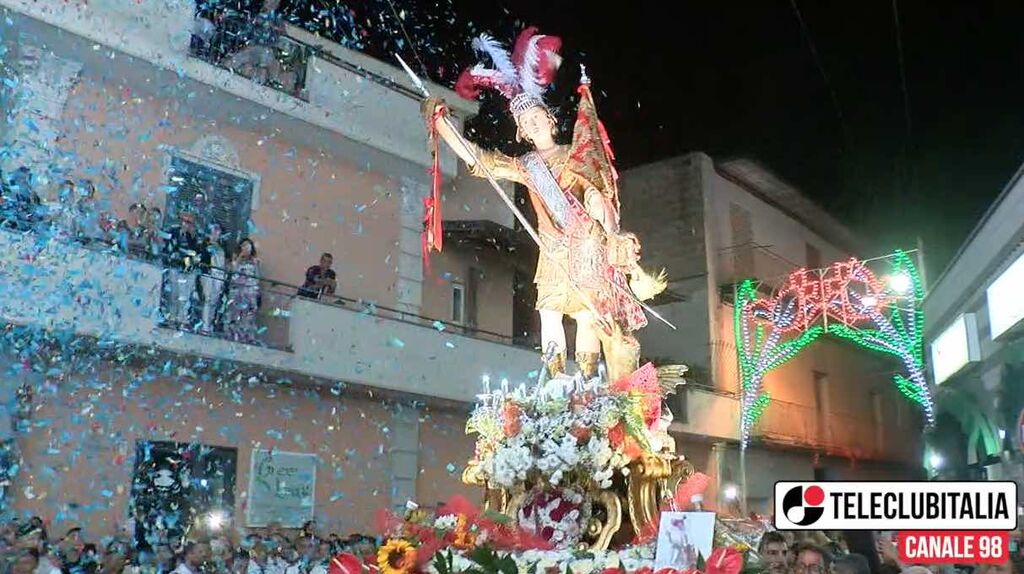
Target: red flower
(725,560)
(511,414)
(644,570)
(613,571)
(581,433)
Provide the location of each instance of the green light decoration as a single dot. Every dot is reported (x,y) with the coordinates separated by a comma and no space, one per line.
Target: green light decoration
(846,300)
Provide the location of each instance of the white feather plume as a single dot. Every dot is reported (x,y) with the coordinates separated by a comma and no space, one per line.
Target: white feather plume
(529,73)
(499,56)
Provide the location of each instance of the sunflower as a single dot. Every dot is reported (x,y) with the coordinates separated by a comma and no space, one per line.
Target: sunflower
(396,557)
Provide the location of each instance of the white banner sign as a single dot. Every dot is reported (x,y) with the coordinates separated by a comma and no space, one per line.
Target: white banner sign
(282,486)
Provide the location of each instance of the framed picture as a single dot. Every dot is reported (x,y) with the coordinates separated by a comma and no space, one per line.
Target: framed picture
(682,538)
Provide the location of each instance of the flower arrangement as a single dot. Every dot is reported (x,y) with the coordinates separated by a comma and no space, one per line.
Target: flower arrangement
(565,431)
(459,539)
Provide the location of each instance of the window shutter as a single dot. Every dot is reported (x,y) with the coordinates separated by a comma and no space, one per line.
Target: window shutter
(228,199)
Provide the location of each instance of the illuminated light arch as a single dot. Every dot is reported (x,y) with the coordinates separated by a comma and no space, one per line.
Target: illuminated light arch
(846,300)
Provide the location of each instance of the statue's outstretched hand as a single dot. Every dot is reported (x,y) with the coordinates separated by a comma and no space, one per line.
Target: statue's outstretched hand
(430,106)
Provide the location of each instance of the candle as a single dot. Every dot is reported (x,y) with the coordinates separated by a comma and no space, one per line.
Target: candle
(504,386)
(487,385)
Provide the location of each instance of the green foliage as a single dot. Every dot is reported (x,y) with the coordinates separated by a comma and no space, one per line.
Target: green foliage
(490,562)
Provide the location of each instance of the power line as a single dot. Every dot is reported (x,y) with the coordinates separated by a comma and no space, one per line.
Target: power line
(903,74)
(905,179)
(821,69)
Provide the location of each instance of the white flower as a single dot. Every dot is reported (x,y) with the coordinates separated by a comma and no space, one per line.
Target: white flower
(582,566)
(446,522)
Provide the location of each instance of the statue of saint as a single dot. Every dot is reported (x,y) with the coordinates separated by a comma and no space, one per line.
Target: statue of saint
(588,268)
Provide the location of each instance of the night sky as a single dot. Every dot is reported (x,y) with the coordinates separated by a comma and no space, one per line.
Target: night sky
(739,79)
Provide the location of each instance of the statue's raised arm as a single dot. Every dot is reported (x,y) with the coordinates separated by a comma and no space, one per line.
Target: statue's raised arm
(586,267)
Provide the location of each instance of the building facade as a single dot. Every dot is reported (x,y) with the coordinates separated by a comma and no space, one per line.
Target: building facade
(973,315)
(834,412)
(302,146)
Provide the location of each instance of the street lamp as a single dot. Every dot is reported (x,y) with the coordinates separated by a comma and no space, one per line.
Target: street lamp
(900,283)
(216,519)
(730,492)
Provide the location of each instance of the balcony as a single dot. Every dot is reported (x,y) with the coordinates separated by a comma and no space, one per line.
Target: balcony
(254,48)
(714,414)
(752,261)
(101,294)
(322,89)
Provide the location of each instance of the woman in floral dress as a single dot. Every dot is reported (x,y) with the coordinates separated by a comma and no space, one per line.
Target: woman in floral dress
(244,293)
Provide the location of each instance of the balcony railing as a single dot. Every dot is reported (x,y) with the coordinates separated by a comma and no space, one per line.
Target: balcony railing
(96,292)
(255,47)
(752,261)
(213,318)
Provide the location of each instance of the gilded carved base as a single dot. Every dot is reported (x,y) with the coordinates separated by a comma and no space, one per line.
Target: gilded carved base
(619,513)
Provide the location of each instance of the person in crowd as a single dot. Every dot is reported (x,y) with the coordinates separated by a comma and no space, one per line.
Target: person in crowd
(32,537)
(164,557)
(132,235)
(70,549)
(307,556)
(181,258)
(811,559)
(193,557)
(156,236)
(774,552)
(90,561)
(258,59)
(214,273)
(244,293)
(888,555)
(115,558)
(320,279)
(240,564)
(25,561)
(309,527)
(88,227)
(324,550)
(851,564)
(20,207)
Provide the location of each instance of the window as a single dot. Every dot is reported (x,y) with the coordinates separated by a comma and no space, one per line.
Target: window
(472,287)
(743,242)
(174,485)
(813,256)
(458,303)
(215,195)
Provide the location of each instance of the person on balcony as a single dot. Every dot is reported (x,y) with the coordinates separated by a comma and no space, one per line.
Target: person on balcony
(320,279)
(181,260)
(243,294)
(259,59)
(19,205)
(132,236)
(154,224)
(214,270)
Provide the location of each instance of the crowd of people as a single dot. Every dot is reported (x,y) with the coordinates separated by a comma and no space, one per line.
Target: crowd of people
(204,290)
(815,552)
(26,548)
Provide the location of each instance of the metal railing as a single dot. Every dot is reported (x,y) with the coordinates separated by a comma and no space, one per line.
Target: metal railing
(276,297)
(834,432)
(753,261)
(255,47)
(274,312)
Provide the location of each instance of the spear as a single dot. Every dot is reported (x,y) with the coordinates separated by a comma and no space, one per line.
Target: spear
(519,214)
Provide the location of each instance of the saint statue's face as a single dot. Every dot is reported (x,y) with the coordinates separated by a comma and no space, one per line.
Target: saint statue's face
(536,124)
